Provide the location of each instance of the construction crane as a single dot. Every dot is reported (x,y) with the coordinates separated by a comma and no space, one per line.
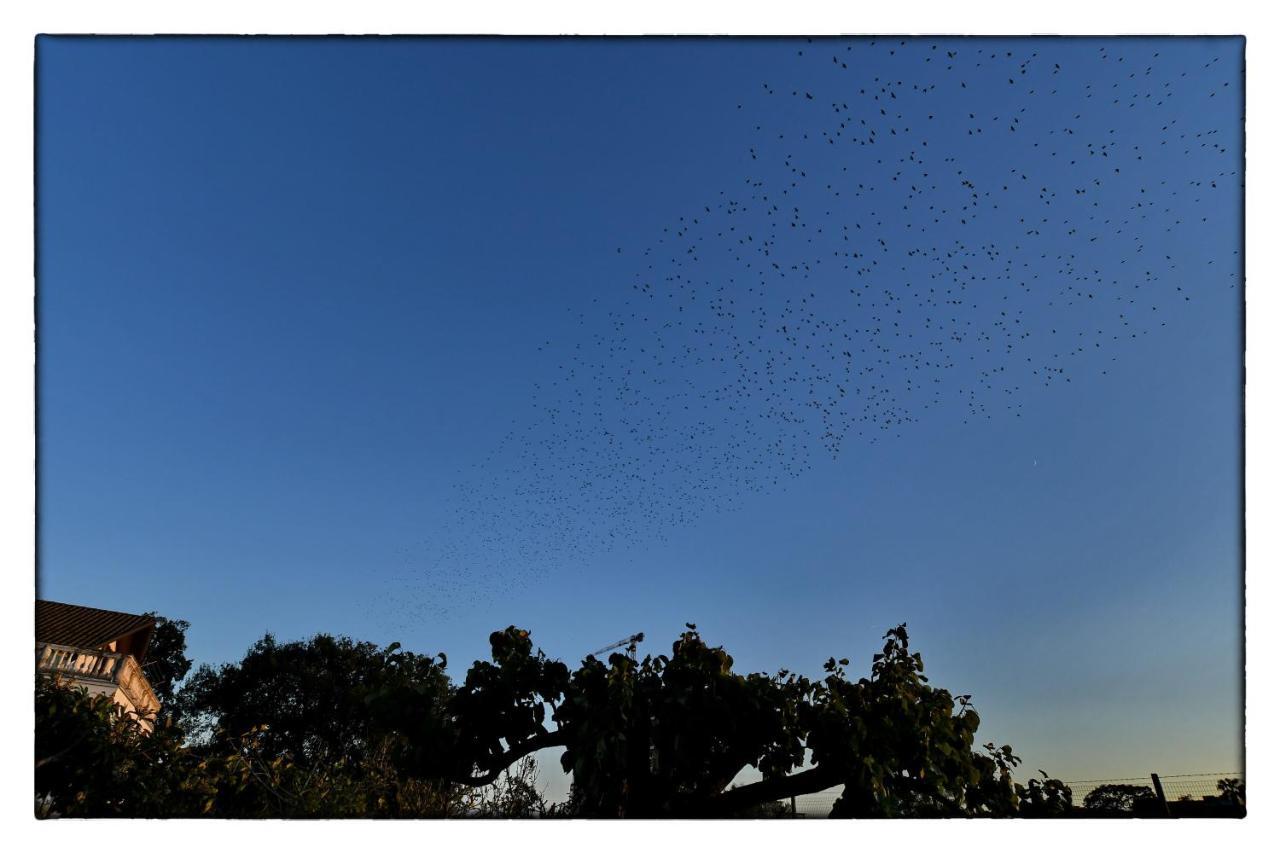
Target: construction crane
(630,642)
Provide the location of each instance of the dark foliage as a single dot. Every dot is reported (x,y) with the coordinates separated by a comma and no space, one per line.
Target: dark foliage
(92,759)
(1120,799)
(667,736)
(167,662)
(1231,792)
(313,700)
(334,728)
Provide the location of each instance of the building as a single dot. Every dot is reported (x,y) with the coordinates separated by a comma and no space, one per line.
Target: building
(100,650)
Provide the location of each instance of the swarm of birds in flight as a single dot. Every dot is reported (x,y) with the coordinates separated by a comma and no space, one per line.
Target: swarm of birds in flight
(924,228)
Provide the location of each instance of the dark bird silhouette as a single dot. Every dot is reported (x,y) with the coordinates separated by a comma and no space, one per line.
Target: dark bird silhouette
(895,250)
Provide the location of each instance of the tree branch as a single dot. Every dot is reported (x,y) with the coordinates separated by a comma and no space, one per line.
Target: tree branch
(806,782)
(511,756)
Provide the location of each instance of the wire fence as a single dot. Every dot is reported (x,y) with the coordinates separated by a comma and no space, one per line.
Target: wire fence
(1185,793)
(1196,786)
(818,804)
(1176,787)
(1080,790)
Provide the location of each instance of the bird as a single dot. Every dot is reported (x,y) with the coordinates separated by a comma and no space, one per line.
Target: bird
(908,241)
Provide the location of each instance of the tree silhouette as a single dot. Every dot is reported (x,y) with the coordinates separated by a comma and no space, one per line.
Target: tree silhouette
(330,727)
(308,700)
(167,662)
(1231,791)
(1118,798)
(93,759)
(666,736)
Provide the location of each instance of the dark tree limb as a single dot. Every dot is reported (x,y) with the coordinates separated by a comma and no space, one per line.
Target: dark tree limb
(499,763)
(806,782)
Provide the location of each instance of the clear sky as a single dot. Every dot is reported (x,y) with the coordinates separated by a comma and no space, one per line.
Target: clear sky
(415,339)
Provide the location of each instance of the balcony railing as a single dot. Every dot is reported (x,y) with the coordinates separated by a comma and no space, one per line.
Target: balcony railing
(95,665)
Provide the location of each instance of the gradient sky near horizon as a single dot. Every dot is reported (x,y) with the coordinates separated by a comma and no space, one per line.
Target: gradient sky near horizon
(318,318)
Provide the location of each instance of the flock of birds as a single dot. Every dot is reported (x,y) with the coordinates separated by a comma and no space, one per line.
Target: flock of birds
(925,228)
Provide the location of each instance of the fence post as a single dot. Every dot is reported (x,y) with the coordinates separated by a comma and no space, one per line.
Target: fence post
(1164,804)
(793,805)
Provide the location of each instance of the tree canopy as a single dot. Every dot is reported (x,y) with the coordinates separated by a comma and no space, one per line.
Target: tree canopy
(92,759)
(334,727)
(1119,798)
(309,700)
(666,736)
(167,662)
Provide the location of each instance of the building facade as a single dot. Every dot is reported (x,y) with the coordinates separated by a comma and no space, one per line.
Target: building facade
(100,650)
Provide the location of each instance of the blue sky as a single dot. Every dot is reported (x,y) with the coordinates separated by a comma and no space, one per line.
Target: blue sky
(305,307)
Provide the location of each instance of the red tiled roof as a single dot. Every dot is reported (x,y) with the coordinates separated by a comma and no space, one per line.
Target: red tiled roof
(89,627)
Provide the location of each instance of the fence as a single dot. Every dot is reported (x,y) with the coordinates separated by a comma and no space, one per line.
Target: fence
(816,805)
(1183,792)
(1195,786)
(1174,794)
